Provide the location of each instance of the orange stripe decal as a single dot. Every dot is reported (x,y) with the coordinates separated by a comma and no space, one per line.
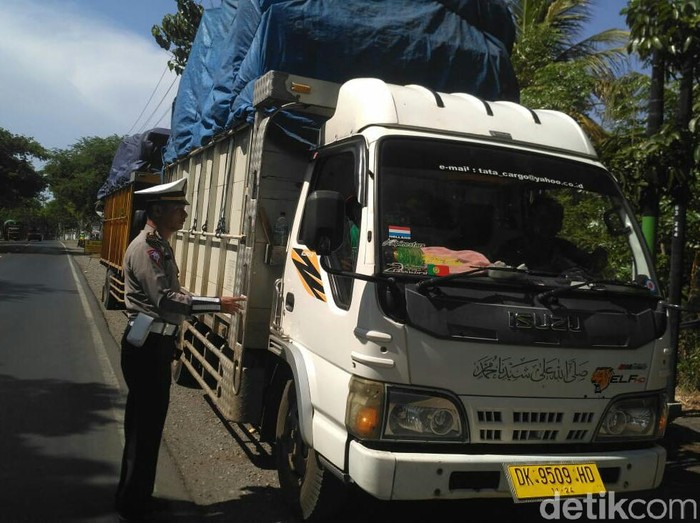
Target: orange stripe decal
(306,263)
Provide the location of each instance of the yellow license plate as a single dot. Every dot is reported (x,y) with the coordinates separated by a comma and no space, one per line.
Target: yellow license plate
(530,482)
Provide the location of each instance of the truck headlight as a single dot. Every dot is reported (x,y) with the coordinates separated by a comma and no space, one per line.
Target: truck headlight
(629,418)
(417,415)
(377,411)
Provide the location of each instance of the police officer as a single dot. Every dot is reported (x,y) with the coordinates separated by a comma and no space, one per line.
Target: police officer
(156,306)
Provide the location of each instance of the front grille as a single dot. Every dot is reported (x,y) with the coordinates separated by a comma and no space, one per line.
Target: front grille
(583,417)
(490,435)
(576,435)
(535,435)
(537,417)
(520,423)
(489,416)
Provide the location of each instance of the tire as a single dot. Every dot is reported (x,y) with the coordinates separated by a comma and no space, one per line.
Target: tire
(108,299)
(312,492)
(182,376)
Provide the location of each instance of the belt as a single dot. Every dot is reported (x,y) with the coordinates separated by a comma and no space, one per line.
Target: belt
(161,327)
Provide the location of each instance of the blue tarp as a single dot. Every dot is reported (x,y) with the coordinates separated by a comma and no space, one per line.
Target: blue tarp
(446,45)
(138,152)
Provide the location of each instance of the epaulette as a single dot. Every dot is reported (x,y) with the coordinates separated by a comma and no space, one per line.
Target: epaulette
(158,243)
(154,240)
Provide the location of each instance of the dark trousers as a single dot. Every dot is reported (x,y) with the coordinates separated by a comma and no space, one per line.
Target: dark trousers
(147,372)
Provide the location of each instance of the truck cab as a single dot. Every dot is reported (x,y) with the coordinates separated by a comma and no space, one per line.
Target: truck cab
(463,333)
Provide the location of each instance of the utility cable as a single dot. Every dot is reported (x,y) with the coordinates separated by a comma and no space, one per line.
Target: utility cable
(165,113)
(149,100)
(144,125)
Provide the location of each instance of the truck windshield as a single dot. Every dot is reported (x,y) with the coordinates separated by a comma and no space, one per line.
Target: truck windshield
(448,207)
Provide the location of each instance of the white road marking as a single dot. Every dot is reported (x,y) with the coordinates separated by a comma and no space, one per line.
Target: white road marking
(108,374)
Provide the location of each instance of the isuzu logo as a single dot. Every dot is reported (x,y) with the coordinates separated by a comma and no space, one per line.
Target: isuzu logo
(544,321)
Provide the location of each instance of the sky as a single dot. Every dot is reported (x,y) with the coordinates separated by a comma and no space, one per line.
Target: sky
(81,68)
(606,15)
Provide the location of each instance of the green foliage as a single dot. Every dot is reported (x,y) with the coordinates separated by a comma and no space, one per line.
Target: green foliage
(548,31)
(19,181)
(670,28)
(562,86)
(584,225)
(558,70)
(689,360)
(623,103)
(177,31)
(77,173)
(666,26)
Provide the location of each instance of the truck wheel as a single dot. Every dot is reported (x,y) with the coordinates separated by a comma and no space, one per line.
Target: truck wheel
(182,375)
(108,300)
(311,491)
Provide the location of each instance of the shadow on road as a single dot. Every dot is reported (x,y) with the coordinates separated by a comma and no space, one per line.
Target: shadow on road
(362,508)
(51,468)
(682,443)
(47,247)
(10,290)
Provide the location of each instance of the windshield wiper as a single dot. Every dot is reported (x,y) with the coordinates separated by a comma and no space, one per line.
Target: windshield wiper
(546,297)
(582,280)
(424,285)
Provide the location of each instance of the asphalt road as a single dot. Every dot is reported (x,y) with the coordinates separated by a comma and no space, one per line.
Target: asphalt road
(61,433)
(224,471)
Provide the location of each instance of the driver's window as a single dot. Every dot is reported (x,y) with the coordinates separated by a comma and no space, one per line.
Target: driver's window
(337,173)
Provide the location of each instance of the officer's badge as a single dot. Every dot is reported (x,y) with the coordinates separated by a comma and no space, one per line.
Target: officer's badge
(155,255)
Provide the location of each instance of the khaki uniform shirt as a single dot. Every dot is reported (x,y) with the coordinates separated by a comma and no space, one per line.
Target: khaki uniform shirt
(151,279)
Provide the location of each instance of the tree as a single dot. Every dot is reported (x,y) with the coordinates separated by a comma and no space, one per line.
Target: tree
(177,31)
(669,32)
(555,68)
(670,29)
(77,173)
(19,180)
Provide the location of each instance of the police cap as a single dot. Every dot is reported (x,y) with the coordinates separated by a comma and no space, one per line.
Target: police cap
(172,192)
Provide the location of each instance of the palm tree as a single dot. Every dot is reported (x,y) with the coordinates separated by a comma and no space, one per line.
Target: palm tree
(555,66)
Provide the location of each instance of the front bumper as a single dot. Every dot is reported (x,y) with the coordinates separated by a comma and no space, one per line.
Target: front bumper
(418,476)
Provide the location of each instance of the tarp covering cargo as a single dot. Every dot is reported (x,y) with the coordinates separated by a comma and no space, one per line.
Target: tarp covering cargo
(446,45)
(138,152)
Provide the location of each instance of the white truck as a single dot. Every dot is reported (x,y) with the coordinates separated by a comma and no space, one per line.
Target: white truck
(389,343)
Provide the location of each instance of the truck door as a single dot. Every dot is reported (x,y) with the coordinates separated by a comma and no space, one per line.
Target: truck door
(307,287)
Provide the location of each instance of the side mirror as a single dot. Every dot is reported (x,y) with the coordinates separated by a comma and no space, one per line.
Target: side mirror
(323,223)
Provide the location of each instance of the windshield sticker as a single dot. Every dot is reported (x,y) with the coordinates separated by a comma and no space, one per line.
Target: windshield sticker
(416,258)
(458,261)
(506,174)
(398,232)
(648,283)
(602,377)
(534,370)
(438,270)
